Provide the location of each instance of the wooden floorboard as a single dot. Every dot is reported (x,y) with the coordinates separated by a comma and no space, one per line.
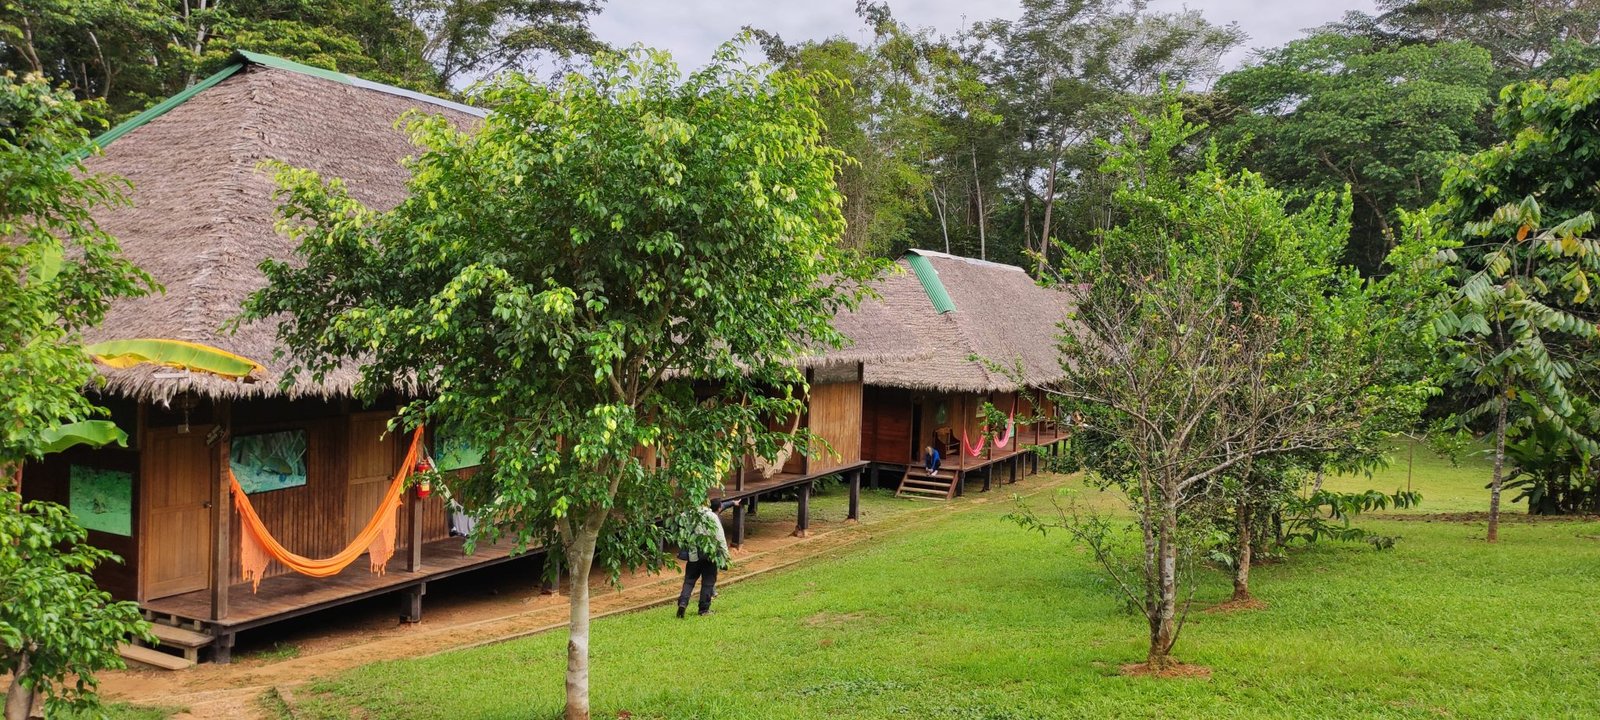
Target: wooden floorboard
(285,596)
(754,484)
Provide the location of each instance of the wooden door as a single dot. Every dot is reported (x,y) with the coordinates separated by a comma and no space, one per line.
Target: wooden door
(175,534)
(373,460)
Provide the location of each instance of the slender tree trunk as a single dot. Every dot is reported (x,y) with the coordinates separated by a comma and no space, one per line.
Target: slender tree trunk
(19,700)
(1163,622)
(1049,207)
(1241,569)
(1317,486)
(580,560)
(977,189)
(1499,469)
(944,227)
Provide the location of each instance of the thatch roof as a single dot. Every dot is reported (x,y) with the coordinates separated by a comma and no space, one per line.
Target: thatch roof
(984,309)
(879,331)
(202,215)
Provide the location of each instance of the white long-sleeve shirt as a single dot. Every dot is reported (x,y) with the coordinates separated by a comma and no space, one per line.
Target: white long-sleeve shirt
(709,525)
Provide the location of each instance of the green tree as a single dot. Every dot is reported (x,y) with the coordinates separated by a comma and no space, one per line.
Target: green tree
(876,107)
(1335,111)
(1516,268)
(1217,331)
(467,39)
(62,273)
(1066,72)
(562,278)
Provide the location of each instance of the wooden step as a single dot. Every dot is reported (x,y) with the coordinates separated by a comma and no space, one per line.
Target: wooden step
(179,637)
(153,658)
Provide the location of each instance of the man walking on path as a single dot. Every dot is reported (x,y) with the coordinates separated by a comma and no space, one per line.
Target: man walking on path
(704,552)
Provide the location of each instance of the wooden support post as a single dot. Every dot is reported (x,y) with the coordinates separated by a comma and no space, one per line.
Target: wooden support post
(1014,462)
(222,648)
(874,478)
(754,502)
(855,495)
(803,519)
(961,483)
(411,603)
(738,525)
(414,558)
(221,513)
(988,473)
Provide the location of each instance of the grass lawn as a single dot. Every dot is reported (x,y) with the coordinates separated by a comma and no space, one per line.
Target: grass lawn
(1446,487)
(969,617)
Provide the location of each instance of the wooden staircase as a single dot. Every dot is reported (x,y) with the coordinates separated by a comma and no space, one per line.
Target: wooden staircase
(919,483)
(187,642)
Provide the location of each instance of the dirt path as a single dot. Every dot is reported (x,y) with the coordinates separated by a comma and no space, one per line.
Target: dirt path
(236,691)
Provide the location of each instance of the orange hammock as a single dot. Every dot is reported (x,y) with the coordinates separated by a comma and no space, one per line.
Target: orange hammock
(257,547)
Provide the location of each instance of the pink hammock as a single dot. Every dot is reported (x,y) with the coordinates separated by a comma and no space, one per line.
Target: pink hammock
(967,445)
(1011,424)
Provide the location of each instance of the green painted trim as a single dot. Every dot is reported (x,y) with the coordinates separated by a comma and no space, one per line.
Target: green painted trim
(292,66)
(161,108)
(931,283)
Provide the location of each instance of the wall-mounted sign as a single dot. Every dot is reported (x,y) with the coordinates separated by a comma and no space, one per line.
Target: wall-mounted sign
(269,461)
(455,452)
(102,499)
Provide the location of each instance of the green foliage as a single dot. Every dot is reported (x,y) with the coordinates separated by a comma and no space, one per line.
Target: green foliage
(1334,111)
(135,53)
(61,270)
(1513,271)
(464,38)
(1327,515)
(57,628)
(605,287)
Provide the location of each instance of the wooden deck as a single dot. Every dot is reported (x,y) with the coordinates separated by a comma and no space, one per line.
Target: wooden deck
(286,596)
(1017,455)
(752,486)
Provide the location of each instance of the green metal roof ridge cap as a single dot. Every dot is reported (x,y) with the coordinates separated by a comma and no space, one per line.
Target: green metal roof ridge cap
(278,63)
(931,284)
(161,108)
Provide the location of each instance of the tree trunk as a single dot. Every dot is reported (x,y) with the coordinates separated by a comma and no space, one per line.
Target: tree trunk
(1499,469)
(19,700)
(1317,486)
(580,560)
(1163,622)
(977,187)
(1049,207)
(1241,569)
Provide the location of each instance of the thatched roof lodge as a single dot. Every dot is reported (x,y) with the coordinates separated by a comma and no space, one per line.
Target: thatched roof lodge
(202,218)
(995,334)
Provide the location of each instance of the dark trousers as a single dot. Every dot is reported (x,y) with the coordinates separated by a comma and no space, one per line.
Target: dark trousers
(706,572)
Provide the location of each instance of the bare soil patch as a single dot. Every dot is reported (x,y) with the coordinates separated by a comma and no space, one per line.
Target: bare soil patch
(1171,671)
(1233,606)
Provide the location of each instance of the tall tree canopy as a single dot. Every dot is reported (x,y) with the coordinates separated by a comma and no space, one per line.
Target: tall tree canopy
(606,286)
(134,53)
(1332,111)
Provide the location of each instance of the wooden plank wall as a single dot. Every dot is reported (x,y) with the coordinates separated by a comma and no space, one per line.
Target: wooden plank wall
(885,424)
(48,480)
(835,416)
(314,519)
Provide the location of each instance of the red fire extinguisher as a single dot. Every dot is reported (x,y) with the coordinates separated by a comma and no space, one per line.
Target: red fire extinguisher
(424,488)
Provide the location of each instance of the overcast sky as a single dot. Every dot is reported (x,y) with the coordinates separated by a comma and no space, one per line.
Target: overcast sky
(691,29)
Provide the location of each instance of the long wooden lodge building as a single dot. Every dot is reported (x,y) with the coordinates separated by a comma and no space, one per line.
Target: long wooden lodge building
(237,505)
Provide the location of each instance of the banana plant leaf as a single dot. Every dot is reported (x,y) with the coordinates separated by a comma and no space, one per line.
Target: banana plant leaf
(94,433)
(193,357)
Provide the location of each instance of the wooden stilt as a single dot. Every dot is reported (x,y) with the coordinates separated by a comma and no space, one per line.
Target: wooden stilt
(738,525)
(222,649)
(411,603)
(1014,462)
(874,476)
(988,472)
(803,519)
(221,507)
(855,495)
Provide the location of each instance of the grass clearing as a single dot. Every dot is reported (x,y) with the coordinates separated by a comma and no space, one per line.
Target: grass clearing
(969,617)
